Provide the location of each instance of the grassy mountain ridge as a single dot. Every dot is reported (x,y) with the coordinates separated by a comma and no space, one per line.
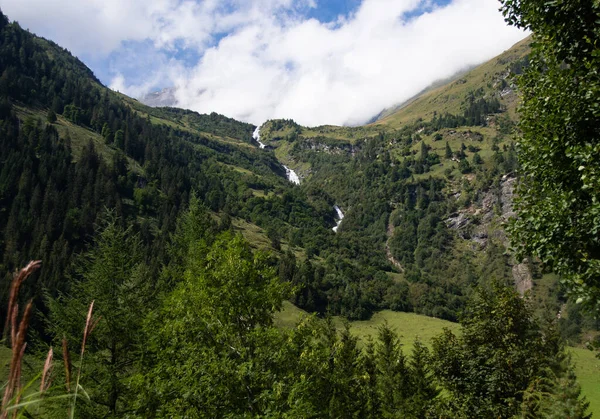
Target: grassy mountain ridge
(493,78)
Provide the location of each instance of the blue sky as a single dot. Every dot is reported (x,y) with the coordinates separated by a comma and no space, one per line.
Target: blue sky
(316,61)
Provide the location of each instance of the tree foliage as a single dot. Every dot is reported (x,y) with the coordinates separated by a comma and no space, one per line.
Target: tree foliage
(502,354)
(559,151)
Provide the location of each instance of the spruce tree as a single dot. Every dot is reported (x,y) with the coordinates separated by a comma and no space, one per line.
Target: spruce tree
(51,116)
(111,274)
(448,153)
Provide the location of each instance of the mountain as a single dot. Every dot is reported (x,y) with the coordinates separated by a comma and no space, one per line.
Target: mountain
(422,192)
(164,97)
(185,232)
(72,150)
(489,80)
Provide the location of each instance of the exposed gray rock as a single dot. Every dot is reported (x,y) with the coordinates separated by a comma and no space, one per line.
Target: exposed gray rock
(522,277)
(458,221)
(506,198)
(164,97)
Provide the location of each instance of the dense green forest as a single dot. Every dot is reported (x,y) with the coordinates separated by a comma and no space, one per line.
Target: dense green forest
(169,240)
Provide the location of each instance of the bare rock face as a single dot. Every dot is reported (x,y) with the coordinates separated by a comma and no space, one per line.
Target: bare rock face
(494,205)
(457,221)
(506,198)
(164,97)
(523,278)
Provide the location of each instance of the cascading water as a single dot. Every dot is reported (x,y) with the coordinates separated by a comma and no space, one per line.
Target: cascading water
(340,215)
(291,175)
(256,136)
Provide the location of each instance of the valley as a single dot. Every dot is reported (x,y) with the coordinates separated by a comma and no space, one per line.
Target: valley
(254,261)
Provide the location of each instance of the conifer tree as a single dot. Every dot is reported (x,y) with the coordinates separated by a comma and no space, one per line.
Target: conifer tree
(112,275)
(392,373)
(51,116)
(501,355)
(448,153)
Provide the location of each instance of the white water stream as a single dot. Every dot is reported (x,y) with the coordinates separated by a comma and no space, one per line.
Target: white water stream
(291,175)
(256,136)
(340,215)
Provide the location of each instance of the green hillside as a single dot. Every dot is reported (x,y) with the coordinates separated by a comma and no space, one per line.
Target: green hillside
(403,187)
(491,79)
(408,326)
(189,239)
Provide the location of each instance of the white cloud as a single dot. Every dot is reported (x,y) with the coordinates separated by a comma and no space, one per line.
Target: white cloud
(273,62)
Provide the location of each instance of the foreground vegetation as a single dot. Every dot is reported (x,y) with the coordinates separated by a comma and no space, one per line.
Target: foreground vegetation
(412,327)
(201,342)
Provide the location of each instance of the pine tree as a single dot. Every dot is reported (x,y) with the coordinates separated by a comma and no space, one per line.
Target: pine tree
(448,153)
(392,373)
(495,368)
(422,383)
(51,116)
(112,275)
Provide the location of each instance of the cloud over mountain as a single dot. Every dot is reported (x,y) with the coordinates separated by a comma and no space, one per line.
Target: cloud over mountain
(260,59)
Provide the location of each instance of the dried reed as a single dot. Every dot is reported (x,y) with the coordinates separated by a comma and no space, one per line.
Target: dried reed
(90,325)
(67,362)
(17,337)
(45,384)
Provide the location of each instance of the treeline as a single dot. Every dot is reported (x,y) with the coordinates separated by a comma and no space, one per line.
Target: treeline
(200,342)
(213,123)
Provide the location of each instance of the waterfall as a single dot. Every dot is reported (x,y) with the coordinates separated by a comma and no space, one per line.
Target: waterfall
(256,136)
(340,215)
(291,175)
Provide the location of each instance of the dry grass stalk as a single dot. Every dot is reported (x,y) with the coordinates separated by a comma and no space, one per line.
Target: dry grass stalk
(67,362)
(90,325)
(13,387)
(18,279)
(17,337)
(45,384)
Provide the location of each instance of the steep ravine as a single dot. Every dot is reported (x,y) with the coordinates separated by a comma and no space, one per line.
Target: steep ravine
(388,252)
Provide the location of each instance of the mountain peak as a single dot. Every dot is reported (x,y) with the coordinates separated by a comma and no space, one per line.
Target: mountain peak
(160,98)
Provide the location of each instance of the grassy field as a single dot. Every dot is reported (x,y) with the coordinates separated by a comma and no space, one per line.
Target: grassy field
(587,368)
(409,326)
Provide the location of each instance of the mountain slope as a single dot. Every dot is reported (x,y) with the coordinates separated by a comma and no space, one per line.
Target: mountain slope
(423,202)
(424,191)
(491,79)
(73,150)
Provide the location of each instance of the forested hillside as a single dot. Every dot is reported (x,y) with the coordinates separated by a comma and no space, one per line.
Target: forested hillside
(424,201)
(72,148)
(426,193)
(170,239)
